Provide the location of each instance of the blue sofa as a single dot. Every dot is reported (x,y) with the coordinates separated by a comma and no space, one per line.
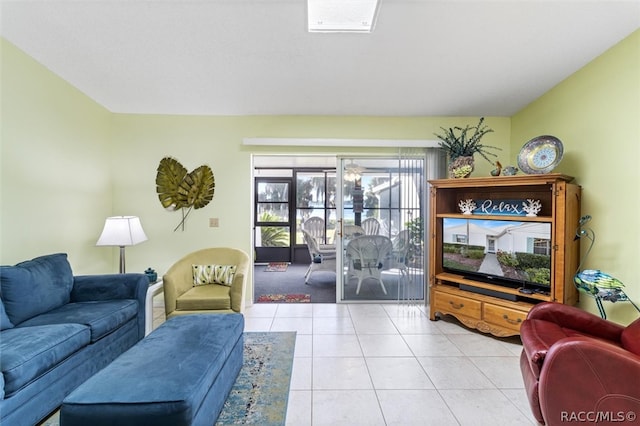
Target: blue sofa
(57,330)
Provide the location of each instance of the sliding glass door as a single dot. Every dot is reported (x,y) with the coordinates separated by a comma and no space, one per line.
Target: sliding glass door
(380,233)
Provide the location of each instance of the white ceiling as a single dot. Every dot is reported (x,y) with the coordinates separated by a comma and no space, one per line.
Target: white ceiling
(236,57)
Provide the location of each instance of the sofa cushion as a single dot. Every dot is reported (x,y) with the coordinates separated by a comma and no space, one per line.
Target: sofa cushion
(204,297)
(102,317)
(5,322)
(29,352)
(35,286)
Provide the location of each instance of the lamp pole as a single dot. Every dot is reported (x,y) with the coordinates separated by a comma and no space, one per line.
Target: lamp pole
(122,268)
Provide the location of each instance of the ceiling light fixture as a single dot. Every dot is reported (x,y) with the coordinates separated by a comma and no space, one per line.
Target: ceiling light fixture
(326,16)
(352,172)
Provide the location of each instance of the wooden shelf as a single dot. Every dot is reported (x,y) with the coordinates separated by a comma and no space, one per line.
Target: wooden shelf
(521,305)
(458,279)
(489,181)
(494,308)
(497,217)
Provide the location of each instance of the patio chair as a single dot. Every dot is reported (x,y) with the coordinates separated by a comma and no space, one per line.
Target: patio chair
(322,258)
(316,227)
(367,255)
(371,226)
(352,231)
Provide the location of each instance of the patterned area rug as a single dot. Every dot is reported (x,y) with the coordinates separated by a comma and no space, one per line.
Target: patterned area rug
(261,391)
(277,267)
(284,298)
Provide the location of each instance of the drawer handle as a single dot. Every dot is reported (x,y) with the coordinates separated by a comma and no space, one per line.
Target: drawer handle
(510,321)
(456,305)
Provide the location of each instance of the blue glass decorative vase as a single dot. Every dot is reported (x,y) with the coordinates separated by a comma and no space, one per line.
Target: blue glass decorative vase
(152,275)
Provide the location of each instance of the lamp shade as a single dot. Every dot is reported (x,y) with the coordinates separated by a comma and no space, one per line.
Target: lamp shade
(122,231)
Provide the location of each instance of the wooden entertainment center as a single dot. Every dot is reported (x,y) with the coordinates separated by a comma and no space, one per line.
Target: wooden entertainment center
(492,308)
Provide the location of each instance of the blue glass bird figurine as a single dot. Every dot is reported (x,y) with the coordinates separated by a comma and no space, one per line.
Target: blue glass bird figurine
(597,284)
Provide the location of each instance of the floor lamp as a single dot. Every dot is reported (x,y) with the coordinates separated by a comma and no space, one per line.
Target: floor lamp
(121,231)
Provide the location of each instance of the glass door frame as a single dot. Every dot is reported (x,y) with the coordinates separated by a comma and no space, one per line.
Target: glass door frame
(398,213)
(274,253)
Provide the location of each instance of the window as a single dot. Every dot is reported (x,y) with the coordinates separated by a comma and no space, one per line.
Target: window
(460,238)
(272,213)
(542,246)
(315,197)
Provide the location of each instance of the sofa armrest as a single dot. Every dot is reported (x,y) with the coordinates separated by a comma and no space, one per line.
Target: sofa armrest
(88,288)
(584,375)
(538,336)
(571,317)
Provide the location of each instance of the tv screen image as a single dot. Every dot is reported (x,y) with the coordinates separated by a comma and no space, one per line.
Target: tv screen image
(504,252)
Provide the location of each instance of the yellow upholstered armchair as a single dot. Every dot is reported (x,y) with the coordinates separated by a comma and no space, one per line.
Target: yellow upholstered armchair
(218,287)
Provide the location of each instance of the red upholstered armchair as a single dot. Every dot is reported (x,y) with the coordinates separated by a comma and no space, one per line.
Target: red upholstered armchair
(580,368)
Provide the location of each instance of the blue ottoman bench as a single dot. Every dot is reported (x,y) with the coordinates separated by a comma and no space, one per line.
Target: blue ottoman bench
(180,374)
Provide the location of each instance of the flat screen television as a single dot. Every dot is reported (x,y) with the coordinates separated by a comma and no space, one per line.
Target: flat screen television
(514,254)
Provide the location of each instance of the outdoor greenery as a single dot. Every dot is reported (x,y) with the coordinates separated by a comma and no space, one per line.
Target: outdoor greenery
(507,259)
(539,275)
(416,233)
(371,201)
(273,236)
(467,251)
(531,260)
(535,266)
(519,265)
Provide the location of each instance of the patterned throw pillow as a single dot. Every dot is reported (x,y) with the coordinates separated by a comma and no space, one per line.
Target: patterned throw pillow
(213,274)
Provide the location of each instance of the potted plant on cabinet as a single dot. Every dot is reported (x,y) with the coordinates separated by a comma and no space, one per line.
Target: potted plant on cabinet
(461,144)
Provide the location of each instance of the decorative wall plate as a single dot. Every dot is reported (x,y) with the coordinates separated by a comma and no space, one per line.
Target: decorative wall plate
(540,155)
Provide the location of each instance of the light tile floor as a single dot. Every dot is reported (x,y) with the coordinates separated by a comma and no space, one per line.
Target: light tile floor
(383,364)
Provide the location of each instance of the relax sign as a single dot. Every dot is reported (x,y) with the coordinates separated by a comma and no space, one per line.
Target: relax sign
(499,207)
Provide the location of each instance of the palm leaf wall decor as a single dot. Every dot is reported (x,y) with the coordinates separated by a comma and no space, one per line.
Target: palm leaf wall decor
(178,189)
(197,187)
(170,175)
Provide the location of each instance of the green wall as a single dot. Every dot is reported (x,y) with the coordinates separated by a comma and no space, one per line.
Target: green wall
(55,166)
(596,114)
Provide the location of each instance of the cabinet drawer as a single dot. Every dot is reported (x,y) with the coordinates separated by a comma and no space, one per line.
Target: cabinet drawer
(449,303)
(505,317)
